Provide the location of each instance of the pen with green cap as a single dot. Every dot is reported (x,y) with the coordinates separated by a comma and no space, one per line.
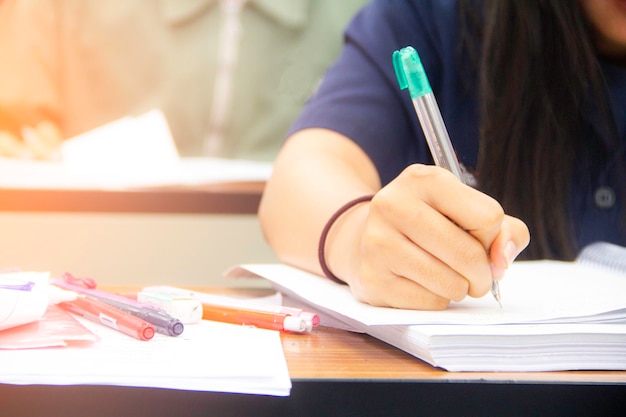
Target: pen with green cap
(411,74)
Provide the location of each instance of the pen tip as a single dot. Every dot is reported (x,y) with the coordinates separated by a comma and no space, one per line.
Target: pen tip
(495,290)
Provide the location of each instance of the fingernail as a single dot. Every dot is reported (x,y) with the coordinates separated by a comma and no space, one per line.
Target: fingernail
(510,252)
(496,273)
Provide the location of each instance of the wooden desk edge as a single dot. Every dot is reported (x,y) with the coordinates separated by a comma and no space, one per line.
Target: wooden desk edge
(330,354)
(218,198)
(347,356)
(360,357)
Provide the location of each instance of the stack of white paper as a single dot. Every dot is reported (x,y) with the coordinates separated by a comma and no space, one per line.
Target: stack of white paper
(555,316)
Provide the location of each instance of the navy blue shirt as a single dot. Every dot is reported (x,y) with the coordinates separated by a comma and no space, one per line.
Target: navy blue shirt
(360,98)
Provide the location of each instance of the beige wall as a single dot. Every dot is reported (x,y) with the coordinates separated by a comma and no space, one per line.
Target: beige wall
(134,249)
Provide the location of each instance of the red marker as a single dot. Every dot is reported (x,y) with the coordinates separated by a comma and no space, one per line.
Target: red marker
(112,317)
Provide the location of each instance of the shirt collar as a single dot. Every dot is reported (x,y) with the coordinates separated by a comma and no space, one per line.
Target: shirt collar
(290,13)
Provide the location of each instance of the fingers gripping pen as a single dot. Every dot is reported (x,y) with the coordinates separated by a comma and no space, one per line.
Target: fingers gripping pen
(411,74)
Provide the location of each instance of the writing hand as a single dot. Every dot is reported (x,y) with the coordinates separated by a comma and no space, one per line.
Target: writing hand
(429,239)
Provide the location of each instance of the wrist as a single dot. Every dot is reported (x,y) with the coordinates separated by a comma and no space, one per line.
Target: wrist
(339,249)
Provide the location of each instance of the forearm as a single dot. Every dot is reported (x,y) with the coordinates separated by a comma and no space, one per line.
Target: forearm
(423,240)
(316,172)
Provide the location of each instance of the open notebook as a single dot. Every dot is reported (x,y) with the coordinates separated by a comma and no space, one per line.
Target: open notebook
(555,316)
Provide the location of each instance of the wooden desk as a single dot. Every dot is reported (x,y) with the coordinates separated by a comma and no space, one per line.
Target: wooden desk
(352,356)
(222,198)
(337,373)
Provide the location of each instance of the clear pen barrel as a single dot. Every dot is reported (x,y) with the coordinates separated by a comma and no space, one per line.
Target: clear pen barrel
(436,134)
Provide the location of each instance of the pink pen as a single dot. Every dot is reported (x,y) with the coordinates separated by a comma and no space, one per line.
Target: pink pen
(87,286)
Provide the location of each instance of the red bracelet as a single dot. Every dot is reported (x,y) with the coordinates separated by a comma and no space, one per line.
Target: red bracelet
(329,223)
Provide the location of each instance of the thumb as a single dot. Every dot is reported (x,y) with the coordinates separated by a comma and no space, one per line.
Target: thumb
(509,243)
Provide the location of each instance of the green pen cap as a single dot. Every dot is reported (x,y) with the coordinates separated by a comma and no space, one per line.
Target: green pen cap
(410,72)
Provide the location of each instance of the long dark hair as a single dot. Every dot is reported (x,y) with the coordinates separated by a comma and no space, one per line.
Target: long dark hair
(538,74)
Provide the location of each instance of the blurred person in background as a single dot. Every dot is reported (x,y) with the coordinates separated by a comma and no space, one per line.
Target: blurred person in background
(229,75)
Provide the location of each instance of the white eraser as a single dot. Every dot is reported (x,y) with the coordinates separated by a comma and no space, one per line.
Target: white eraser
(185,309)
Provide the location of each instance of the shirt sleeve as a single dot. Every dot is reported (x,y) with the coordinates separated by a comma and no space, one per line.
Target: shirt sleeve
(359,96)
